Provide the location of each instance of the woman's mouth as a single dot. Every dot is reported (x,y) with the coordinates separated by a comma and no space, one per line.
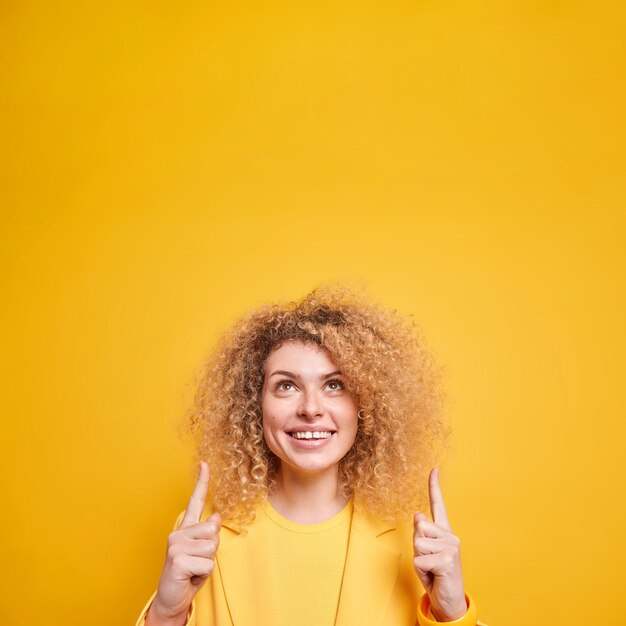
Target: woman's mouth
(309,439)
(311,434)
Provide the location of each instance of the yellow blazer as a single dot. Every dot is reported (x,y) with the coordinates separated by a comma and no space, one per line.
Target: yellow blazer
(379,587)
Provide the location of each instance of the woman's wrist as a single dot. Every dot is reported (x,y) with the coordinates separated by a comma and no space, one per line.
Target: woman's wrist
(426,618)
(451,614)
(156,617)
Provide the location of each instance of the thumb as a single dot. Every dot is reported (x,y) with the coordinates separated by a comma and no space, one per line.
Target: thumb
(418,517)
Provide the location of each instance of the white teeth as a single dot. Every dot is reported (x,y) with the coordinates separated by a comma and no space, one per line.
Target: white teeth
(311,435)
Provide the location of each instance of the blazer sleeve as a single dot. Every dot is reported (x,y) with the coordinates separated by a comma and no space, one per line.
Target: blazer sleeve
(426,618)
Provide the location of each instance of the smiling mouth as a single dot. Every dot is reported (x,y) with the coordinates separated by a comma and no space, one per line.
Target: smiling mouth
(308,434)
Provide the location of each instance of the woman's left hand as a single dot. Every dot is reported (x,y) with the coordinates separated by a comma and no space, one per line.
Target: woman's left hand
(438,558)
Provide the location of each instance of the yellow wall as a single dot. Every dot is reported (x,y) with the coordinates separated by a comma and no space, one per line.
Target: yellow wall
(167,166)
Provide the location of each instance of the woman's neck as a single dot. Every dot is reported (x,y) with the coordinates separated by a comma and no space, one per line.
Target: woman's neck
(307,498)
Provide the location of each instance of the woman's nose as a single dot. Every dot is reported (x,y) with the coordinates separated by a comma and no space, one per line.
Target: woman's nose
(311,405)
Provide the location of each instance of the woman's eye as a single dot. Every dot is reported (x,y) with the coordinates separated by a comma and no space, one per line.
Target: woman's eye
(284,385)
(335,385)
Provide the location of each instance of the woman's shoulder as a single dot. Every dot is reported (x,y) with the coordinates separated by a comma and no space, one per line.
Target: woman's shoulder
(230,526)
(391,528)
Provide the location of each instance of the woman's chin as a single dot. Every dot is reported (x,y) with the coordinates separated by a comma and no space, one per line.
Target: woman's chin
(309,467)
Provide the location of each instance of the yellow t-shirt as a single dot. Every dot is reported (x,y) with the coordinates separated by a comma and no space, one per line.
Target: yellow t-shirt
(307,561)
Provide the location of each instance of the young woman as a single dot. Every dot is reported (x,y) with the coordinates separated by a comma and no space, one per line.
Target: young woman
(319,420)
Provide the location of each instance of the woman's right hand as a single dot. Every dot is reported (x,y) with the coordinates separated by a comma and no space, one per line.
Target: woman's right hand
(190,559)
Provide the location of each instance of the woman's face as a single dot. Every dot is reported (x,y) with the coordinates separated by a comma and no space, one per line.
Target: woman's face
(309,418)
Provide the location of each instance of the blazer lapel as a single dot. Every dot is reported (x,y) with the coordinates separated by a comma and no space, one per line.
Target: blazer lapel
(370,573)
(250,594)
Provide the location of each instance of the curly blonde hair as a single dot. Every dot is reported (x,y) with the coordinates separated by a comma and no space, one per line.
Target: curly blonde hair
(387,367)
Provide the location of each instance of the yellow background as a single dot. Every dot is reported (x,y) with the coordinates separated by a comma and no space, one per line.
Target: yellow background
(165,167)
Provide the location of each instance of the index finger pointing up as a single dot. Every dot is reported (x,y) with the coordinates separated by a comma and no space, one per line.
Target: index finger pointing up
(437,506)
(198,497)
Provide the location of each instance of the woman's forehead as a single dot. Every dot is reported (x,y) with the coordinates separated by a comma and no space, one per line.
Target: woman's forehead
(299,353)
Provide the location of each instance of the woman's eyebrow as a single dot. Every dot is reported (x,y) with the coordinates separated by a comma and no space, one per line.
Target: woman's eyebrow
(292,375)
(335,373)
